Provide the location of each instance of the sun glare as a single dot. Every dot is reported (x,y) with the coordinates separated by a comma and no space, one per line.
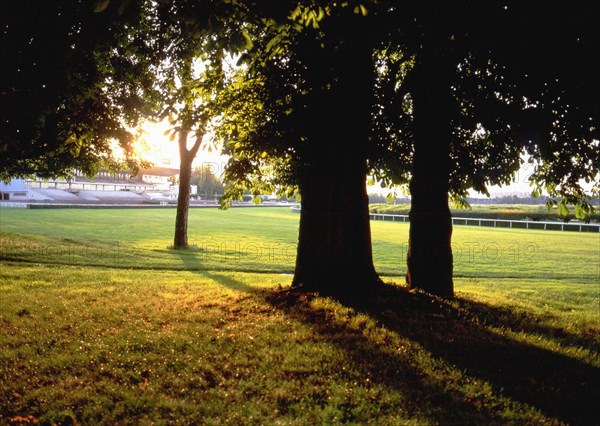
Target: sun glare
(154,145)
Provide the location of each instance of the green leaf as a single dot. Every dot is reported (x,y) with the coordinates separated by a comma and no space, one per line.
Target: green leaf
(321,14)
(248,43)
(580,212)
(272,43)
(296,13)
(101,5)
(562,209)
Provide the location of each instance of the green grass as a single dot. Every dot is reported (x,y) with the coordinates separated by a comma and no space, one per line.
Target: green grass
(103,324)
(264,240)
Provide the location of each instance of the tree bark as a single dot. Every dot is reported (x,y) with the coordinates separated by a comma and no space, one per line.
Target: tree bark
(429,260)
(186,157)
(183,202)
(334,244)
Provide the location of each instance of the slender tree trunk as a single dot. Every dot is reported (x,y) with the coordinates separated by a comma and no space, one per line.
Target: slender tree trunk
(183,200)
(429,258)
(334,244)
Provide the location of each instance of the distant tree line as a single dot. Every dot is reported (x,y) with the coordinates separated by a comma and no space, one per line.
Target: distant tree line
(209,185)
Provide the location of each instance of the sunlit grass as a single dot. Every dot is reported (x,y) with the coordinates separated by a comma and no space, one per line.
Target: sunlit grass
(103,324)
(116,346)
(264,239)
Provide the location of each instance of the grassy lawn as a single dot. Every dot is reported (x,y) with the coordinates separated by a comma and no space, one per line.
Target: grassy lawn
(103,324)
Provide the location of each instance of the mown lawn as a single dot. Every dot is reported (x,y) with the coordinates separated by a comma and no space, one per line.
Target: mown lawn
(103,324)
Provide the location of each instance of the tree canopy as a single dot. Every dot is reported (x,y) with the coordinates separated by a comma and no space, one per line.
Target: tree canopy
(522,81)
(444,96)
(72,81)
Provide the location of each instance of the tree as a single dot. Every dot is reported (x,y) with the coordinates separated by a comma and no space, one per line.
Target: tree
(208,184)
(69,85)
(490,82)
(295,122)
(79,75)
(192,38)
(444,97)
(187,117)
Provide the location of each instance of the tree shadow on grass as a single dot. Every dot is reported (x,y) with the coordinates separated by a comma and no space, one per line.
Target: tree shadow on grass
(458,333)
(555,384)
(527,322)
(193,264)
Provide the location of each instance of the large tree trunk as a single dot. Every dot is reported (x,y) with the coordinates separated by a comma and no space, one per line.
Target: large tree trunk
(334,244)
(429,258)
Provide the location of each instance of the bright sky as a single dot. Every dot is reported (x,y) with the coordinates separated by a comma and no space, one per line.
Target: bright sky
(156,147)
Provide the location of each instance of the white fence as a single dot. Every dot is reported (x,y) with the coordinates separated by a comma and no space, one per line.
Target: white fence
(502,223)
(12,205)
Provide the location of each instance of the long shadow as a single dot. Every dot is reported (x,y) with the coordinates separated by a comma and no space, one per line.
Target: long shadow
(423,396)
(194,265)
(397,372)
(525,322)
(555,384)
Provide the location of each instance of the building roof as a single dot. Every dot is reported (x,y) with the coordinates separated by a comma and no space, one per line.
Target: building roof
(13,185)
(159,171)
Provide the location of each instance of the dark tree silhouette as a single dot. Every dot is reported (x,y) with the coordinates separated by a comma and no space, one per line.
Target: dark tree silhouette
(441,96)
(71,81)
(491,81)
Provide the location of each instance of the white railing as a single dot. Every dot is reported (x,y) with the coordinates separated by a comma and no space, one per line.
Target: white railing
(502,223)
(13,205)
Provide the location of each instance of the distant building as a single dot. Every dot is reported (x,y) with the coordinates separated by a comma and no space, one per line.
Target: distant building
(153,179)
(160,177)
(15,190)
(156,180)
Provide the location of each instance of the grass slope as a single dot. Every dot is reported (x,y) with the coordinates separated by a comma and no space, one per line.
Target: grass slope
(264,239)
(102,324)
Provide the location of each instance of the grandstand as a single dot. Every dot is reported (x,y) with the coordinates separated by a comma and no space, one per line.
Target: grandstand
(148,186)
